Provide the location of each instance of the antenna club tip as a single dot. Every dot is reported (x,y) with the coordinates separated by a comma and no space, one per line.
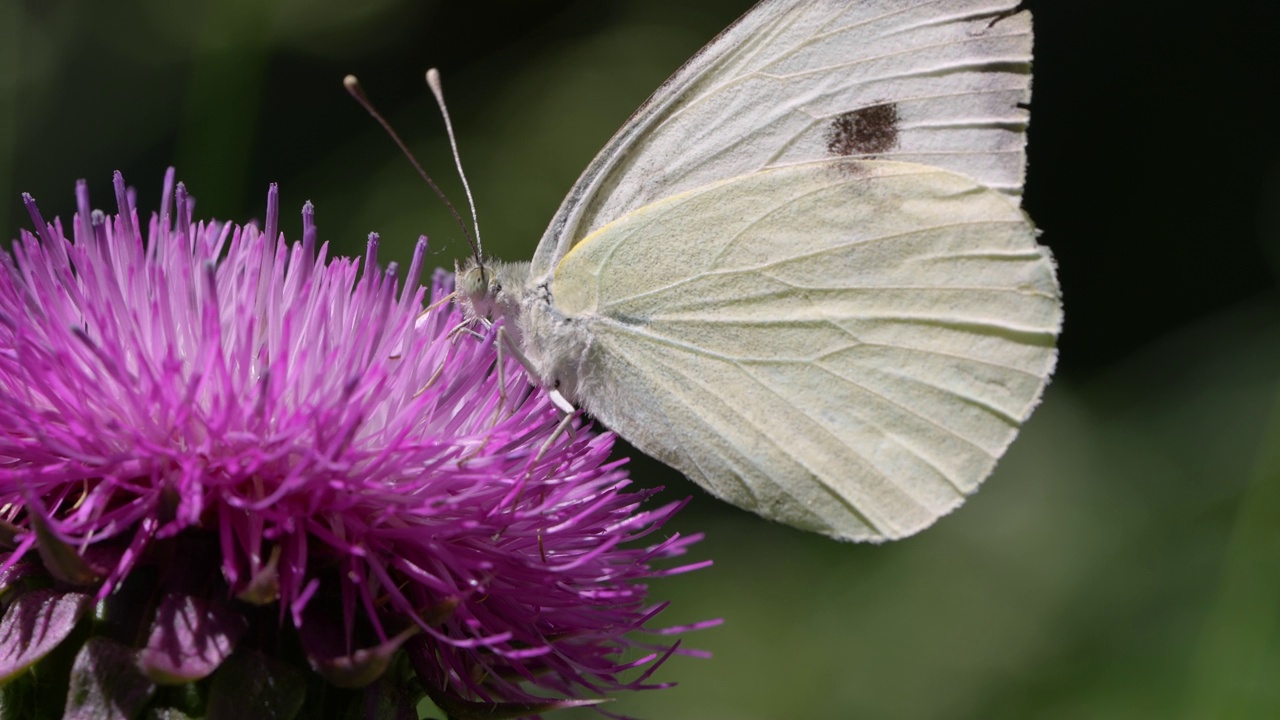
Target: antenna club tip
(350,82)
(433,80)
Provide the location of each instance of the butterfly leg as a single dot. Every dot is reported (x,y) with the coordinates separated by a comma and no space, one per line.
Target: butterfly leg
(565,425)
(562,404)
(464,326)
(501,366)
(559,400)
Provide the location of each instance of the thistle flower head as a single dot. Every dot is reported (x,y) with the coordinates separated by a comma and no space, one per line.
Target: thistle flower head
(212,436)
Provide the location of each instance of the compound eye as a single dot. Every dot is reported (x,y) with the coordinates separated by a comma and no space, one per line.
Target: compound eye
(474,281)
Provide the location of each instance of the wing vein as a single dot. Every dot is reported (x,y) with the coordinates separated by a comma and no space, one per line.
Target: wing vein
(738,362)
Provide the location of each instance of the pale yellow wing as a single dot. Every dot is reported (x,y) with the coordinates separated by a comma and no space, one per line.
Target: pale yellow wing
(843,346)
(938,82)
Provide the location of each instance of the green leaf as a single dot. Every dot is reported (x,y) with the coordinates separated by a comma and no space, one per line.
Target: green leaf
(190,637)
(459,709)
(34,625)
(252,685)
(361,667)
(264,586)
(106,683)
(60,559)
(167,714)
(388,699)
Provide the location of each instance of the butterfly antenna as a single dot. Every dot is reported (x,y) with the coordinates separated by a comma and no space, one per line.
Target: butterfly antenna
(433,82)
(353,87)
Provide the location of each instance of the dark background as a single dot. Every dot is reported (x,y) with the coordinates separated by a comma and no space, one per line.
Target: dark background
(1123,562)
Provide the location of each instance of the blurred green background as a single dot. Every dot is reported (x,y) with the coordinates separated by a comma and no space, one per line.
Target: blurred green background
(1124,560)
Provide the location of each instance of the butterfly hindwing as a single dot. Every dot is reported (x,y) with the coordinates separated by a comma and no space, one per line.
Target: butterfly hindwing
(844,346)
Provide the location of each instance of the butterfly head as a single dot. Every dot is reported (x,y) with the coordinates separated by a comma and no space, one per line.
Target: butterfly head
(475,285)
(490,290)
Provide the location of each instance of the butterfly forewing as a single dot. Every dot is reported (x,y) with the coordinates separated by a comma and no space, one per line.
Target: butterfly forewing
(939,82)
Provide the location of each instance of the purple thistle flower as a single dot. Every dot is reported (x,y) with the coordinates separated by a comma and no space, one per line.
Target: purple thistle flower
(212,435)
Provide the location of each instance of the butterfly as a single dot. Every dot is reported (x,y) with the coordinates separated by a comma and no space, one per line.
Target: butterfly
(799,274)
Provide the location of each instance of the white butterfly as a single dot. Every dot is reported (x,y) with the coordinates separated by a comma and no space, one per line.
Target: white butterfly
(799,273)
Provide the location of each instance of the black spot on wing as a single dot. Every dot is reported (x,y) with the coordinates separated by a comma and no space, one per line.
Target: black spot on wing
(865,131)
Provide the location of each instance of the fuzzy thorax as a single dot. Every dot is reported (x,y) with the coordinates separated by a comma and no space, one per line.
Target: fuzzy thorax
(551,346)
